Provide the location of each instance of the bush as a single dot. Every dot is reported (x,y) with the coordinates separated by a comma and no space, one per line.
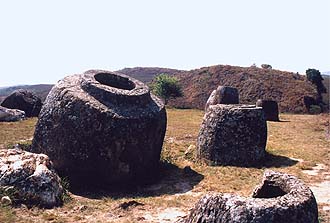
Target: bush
(315,109)
(166,87)
(266,66)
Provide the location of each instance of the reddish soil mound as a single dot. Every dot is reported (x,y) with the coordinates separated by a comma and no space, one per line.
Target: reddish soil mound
(253,83)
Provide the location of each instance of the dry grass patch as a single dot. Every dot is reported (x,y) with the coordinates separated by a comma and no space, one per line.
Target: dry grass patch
(16,132)
(183,178)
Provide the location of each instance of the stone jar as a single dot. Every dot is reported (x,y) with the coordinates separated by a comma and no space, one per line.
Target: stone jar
(223,95)
(280,198)
(29,178)
(270,108)
(232,135)
(102,127)
(23,100)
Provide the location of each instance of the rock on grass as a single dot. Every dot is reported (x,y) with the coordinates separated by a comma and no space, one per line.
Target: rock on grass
(29,178)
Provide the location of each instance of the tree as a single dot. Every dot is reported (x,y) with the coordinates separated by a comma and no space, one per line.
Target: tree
(266,66)
(166,87)
(315,77)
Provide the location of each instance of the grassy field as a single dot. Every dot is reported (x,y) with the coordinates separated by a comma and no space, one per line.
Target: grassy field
(295,144)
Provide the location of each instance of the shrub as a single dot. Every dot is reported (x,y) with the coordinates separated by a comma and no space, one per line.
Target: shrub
(166,87)
(266,66)
(315,109)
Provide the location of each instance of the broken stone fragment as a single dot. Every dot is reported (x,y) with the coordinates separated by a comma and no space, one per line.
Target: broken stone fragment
(29,178)
(11,115)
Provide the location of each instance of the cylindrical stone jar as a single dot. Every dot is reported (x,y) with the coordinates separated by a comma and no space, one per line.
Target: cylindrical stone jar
(232,135)
(223,95)
(101,127)
(270,108)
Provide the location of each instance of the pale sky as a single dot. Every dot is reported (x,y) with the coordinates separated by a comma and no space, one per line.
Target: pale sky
(43,41)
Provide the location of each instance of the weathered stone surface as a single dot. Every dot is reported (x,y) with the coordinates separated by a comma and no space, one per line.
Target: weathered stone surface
(281,198)
(270,108)
(29,178)
(232,135)
(23,100)
(223,95)
(103,128)
(11,115)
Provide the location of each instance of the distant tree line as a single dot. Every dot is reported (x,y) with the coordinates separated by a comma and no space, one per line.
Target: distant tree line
(315,77)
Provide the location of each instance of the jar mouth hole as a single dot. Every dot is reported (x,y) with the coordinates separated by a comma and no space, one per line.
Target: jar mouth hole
(114,81)
(269,191)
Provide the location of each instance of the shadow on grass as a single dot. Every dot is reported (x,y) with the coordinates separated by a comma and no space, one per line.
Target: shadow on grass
(272,160)
(171,180)
(269,161)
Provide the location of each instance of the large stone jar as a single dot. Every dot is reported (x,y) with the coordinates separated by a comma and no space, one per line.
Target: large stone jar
(280,198)
(102,127)
(232,135)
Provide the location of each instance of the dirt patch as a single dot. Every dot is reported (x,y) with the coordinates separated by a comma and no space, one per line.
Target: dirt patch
(165,215)
(321,190)
(315,170)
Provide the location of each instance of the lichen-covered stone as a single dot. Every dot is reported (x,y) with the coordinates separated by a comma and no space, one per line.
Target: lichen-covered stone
(232,135)
(23,100)
(101,128)
(11,115)
(270,108)
(29,178)
(223,95)
(281,198)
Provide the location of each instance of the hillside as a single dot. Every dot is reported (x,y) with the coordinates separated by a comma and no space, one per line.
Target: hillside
(326,82)
(253,83)
(40,90)
(146,74)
